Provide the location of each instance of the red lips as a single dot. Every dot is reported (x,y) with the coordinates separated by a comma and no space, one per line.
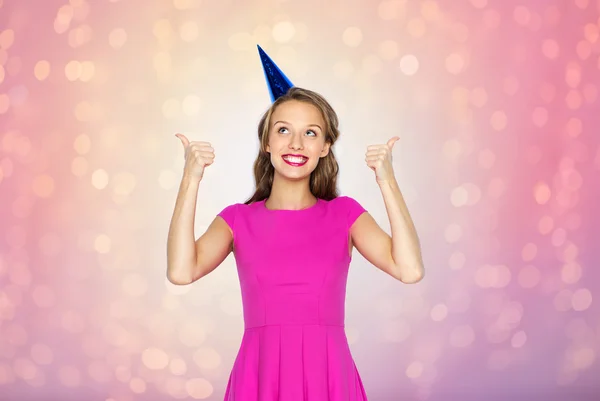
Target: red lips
(295,164)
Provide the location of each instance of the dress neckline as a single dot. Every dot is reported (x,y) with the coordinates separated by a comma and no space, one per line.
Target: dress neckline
(264,206)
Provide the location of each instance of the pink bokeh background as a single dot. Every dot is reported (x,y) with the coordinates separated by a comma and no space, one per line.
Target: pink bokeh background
(495,102)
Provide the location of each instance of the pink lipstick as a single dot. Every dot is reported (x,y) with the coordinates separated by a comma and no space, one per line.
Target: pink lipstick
(295,160)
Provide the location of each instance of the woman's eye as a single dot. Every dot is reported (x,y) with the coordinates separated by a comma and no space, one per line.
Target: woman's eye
(285,129)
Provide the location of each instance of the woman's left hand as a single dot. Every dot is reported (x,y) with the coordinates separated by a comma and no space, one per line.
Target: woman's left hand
(379,159)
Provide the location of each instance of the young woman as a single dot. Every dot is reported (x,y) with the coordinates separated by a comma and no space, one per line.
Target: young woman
(292,242)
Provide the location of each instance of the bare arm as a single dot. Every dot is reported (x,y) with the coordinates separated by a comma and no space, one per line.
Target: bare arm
(181,250)
(189,260)
(398,255)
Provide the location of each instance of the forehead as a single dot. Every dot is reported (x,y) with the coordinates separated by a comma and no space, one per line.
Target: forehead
(294,110)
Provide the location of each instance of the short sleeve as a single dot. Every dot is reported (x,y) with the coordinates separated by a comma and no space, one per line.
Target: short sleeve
(229,214)
(353,210)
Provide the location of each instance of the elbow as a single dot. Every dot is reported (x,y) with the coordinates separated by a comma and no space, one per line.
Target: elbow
(176,278)
(180,271)
(178,281)
(410,275)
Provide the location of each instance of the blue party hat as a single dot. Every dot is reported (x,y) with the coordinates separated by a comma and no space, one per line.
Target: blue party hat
(278,83)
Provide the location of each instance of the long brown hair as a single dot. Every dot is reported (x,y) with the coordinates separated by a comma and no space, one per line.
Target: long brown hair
(323,180)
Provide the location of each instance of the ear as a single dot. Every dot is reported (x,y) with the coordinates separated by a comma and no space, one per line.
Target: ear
(268,147)
(325,150)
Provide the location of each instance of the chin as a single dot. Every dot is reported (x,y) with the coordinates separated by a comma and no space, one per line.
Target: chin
(295,173)
(294,177)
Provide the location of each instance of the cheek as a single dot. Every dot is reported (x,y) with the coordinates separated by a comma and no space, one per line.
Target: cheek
(272,142)
(270,146)
(317,149)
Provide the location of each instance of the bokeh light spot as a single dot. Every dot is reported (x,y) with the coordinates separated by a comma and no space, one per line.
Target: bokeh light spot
(571,273)
(207,358)
(391,9)
(462,336)
(137,385)
(7,38)
(100,179)
(283,31)
(529,277)
(498,120)
(581,299)
(388,50)
(416,27)
(177,366)
(453,233)
(409,64)
(539,116)
(117,38)
(343,70)
(352,37)
(439,312)
(414,370)
(519,339)
(550,49)
(102,243)
(189,31)
(454,63)
(479,3)
(41,71)
(155,358)
(521,15)
(42,354)
(69,376)
(529,252)
(43,186)
(82,144)
(541,193)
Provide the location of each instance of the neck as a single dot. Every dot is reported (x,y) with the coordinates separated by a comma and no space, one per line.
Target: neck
(291,195)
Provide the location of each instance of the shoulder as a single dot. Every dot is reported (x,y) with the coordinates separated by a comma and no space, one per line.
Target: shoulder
(230,209)
(240,206)
(345,202)
(231,212)
(344,199)
(348,207)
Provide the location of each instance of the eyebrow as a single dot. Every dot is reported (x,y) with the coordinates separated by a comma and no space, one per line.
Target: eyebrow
(310,125)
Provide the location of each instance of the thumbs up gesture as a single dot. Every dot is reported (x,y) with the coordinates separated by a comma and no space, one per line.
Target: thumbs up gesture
(197,155)
(379,159)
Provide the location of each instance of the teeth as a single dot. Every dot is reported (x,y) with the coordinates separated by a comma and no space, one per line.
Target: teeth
(294,159)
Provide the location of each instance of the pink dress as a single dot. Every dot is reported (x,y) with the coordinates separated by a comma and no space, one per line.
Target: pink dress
(293,267)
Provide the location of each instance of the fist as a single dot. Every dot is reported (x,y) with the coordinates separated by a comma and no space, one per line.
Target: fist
(197,155)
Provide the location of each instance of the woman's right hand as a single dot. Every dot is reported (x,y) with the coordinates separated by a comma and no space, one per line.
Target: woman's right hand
(197,155)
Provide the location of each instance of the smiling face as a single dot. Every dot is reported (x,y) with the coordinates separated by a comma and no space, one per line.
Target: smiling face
(296,139)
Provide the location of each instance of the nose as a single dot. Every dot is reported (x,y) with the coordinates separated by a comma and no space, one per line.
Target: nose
(295,141)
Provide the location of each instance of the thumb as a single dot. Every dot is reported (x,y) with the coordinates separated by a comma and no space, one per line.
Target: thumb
(392,141)
(183,139)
